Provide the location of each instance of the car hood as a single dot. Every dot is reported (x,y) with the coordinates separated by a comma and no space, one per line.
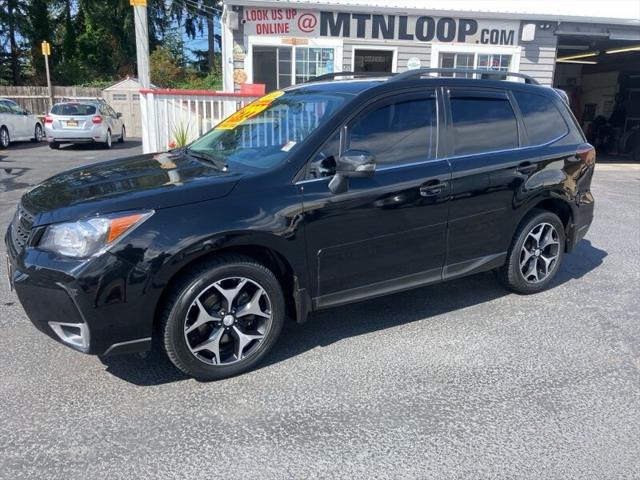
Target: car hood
(150,181)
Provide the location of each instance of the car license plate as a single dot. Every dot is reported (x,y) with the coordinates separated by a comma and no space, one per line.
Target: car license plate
(72,123)
(10,272)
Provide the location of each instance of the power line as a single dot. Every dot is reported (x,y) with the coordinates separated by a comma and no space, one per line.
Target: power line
(206,9)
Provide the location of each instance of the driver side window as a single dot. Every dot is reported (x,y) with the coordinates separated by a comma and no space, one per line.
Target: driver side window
(398,131)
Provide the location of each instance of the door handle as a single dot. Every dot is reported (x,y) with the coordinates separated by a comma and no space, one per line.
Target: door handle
(432,189)
(526,168)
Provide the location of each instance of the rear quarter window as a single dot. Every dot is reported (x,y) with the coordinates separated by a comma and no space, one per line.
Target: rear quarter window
(73,109)
(542,119)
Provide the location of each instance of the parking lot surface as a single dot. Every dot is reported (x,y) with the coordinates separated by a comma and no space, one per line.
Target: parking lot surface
(458,380)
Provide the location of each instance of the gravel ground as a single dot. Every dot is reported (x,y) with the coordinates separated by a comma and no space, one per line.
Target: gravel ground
(458,380)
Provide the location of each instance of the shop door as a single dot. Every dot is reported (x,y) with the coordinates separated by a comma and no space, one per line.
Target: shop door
(272,66)
(373,61)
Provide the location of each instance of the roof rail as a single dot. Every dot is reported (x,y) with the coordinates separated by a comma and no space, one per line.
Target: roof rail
(331,76)
(487,73)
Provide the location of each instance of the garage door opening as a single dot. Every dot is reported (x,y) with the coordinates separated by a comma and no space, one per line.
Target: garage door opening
(602,79)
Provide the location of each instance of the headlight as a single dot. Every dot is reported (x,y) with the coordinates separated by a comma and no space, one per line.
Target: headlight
(87,237)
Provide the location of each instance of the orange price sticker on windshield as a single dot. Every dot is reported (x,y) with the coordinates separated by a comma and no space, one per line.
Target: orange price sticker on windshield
(249,111)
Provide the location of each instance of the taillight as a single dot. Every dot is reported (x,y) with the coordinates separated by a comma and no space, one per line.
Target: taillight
(587,154)
(97,119)
(48,119)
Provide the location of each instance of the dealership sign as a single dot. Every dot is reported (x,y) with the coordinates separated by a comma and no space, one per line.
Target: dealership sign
(291,21)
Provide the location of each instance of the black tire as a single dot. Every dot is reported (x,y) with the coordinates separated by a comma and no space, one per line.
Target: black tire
(173,319)
(5,140)
(54,145)
(109,142)
(122,135)
(37,134)
(511,274)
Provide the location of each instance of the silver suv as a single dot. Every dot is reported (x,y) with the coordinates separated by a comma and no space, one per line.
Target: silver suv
(83,121)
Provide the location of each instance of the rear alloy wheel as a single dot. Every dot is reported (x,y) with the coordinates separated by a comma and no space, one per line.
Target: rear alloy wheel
(536,253)
(38,134)
(108,142)
(4,138)
(223,318)
(122,135)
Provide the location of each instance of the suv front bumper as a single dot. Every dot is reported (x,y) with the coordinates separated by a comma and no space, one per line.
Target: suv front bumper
(97,306)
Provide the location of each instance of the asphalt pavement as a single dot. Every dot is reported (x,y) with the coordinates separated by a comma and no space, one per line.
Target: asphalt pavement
(457,380)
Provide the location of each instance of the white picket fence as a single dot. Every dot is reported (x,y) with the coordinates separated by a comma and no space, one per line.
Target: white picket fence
(165,113)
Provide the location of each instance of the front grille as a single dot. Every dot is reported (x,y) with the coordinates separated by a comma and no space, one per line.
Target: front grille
(21,228)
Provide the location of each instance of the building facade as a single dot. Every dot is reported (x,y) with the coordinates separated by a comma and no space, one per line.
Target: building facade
(280,43)
(589,48)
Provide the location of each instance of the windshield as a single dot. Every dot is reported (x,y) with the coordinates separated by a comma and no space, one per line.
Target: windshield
(265,132)
(73,109)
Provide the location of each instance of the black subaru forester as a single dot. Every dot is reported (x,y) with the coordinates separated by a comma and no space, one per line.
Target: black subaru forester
(325,193)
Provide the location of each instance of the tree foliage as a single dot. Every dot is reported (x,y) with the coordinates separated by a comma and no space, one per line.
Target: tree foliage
(93,41)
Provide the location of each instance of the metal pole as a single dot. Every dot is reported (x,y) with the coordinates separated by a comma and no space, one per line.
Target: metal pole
(46,64)
(142,44)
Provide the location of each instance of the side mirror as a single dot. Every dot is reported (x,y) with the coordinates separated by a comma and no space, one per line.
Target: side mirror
(352,164)
(26,112)
(118,114)
(356,163)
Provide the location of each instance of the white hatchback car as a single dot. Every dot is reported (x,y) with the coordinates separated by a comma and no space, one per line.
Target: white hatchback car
(17,124)
(83,121)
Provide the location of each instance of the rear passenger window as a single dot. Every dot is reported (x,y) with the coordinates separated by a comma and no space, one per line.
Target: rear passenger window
(401,132)
(542,119)
(483,124)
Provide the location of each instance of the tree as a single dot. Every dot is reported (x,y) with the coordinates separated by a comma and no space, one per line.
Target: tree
(106,44)
(194,14)
(12,15)
(37,29)
(166,69)
(92,40)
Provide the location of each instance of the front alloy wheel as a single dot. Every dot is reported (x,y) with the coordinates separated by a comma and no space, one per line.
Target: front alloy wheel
(222,317)
(227,321)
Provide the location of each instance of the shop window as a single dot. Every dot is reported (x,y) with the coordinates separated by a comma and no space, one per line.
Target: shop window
(479,61)
(399,132)
(119,97)
(457,60)
(542,119)
(312,62)
(483,124)
(494,62)
(272,66)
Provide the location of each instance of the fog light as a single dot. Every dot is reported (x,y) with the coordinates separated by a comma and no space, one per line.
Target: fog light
(74,334)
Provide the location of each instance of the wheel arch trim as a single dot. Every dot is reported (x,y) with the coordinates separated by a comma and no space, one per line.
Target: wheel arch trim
(265,248)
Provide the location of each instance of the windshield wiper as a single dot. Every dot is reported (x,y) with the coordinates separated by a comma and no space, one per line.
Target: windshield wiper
(219,164)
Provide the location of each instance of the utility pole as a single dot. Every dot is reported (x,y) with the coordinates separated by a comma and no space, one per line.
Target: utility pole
(46,51)
(142,41)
